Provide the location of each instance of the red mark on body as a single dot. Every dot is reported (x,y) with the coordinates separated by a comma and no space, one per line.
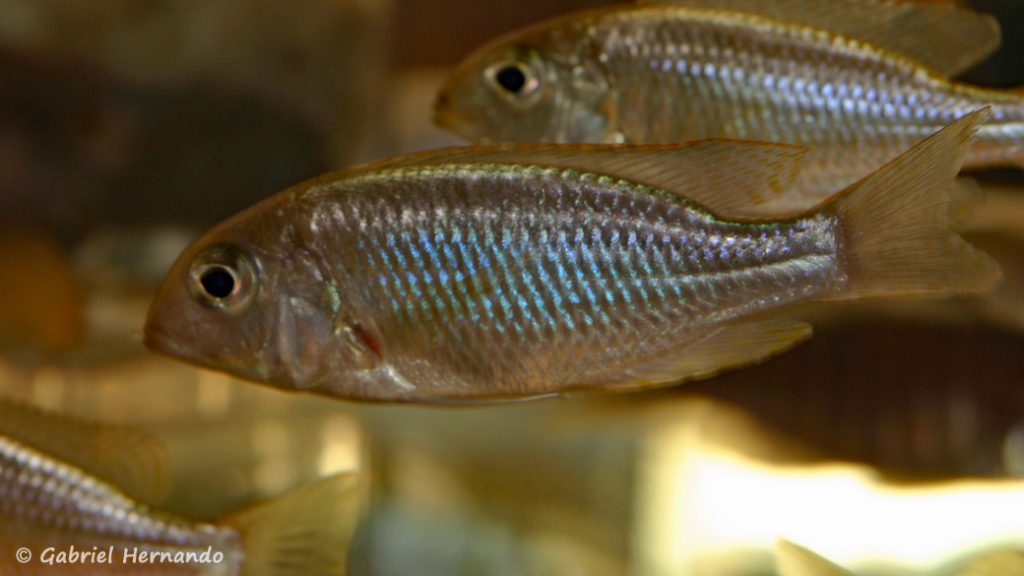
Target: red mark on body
(375,345)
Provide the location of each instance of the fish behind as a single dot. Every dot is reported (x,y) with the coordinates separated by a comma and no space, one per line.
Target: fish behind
(519,271)
(856,81)
(59,517)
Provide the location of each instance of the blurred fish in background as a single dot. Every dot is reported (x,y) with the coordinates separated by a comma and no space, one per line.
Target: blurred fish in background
(857,81)
(48,503)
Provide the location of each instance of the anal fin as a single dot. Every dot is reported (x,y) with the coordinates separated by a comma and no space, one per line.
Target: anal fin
(731,346)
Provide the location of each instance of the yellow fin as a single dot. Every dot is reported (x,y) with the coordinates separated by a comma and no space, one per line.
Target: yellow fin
(939,34)
(1006,562)
(307,531)
(136,462)
(728,177)
(795,560)
(965,198)
(731,346)
(895,236)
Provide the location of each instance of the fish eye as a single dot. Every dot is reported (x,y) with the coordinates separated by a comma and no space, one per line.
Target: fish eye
(223,278)
(218,281)
(512,79)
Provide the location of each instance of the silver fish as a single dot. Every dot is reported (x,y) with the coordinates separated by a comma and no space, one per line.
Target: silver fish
(856,81)
(62,518)
(530,270)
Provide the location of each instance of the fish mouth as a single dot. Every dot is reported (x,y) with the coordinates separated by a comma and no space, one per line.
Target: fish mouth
(447,118)
(157,340)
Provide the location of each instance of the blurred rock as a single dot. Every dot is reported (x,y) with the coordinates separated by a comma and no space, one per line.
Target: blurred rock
(41,306)
(130,112)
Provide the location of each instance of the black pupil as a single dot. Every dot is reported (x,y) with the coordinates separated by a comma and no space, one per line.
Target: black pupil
(217,282)
(511,78)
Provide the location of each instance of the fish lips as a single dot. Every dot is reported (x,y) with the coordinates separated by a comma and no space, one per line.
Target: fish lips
(447,117)
(157,339)
(185,334)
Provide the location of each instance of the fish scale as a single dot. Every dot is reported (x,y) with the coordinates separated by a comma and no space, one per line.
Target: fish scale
(483,273)
(694,271)
(696,96)
(661,73)
(40,493)
(61,511)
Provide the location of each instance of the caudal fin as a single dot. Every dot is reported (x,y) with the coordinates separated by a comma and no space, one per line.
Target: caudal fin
(307,531)
(896,237)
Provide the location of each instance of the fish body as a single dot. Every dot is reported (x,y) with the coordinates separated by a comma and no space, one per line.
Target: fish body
(520,271)
(506,284)
(48,505)
(58,517)
(678,71)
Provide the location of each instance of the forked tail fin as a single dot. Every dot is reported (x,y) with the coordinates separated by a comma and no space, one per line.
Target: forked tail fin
(895,237)
(307,531)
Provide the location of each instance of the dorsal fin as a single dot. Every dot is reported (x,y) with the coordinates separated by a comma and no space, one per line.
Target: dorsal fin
(728,177)
(134,461)
(937,33)
(794,560)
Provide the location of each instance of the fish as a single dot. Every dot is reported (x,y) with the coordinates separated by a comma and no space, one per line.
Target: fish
(524,271)
(792,559)
(855,81)
(60,514)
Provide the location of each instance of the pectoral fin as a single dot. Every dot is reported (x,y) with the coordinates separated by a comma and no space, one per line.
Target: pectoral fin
(939,34)
(731,346)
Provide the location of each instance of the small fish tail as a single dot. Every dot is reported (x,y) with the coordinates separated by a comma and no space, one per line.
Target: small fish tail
(896,237)
(303,532)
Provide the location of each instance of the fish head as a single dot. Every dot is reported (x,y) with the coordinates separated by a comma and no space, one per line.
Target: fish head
(247,299)
(540,85)
(212,309)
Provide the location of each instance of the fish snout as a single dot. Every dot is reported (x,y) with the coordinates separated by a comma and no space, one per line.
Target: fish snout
(447,117)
